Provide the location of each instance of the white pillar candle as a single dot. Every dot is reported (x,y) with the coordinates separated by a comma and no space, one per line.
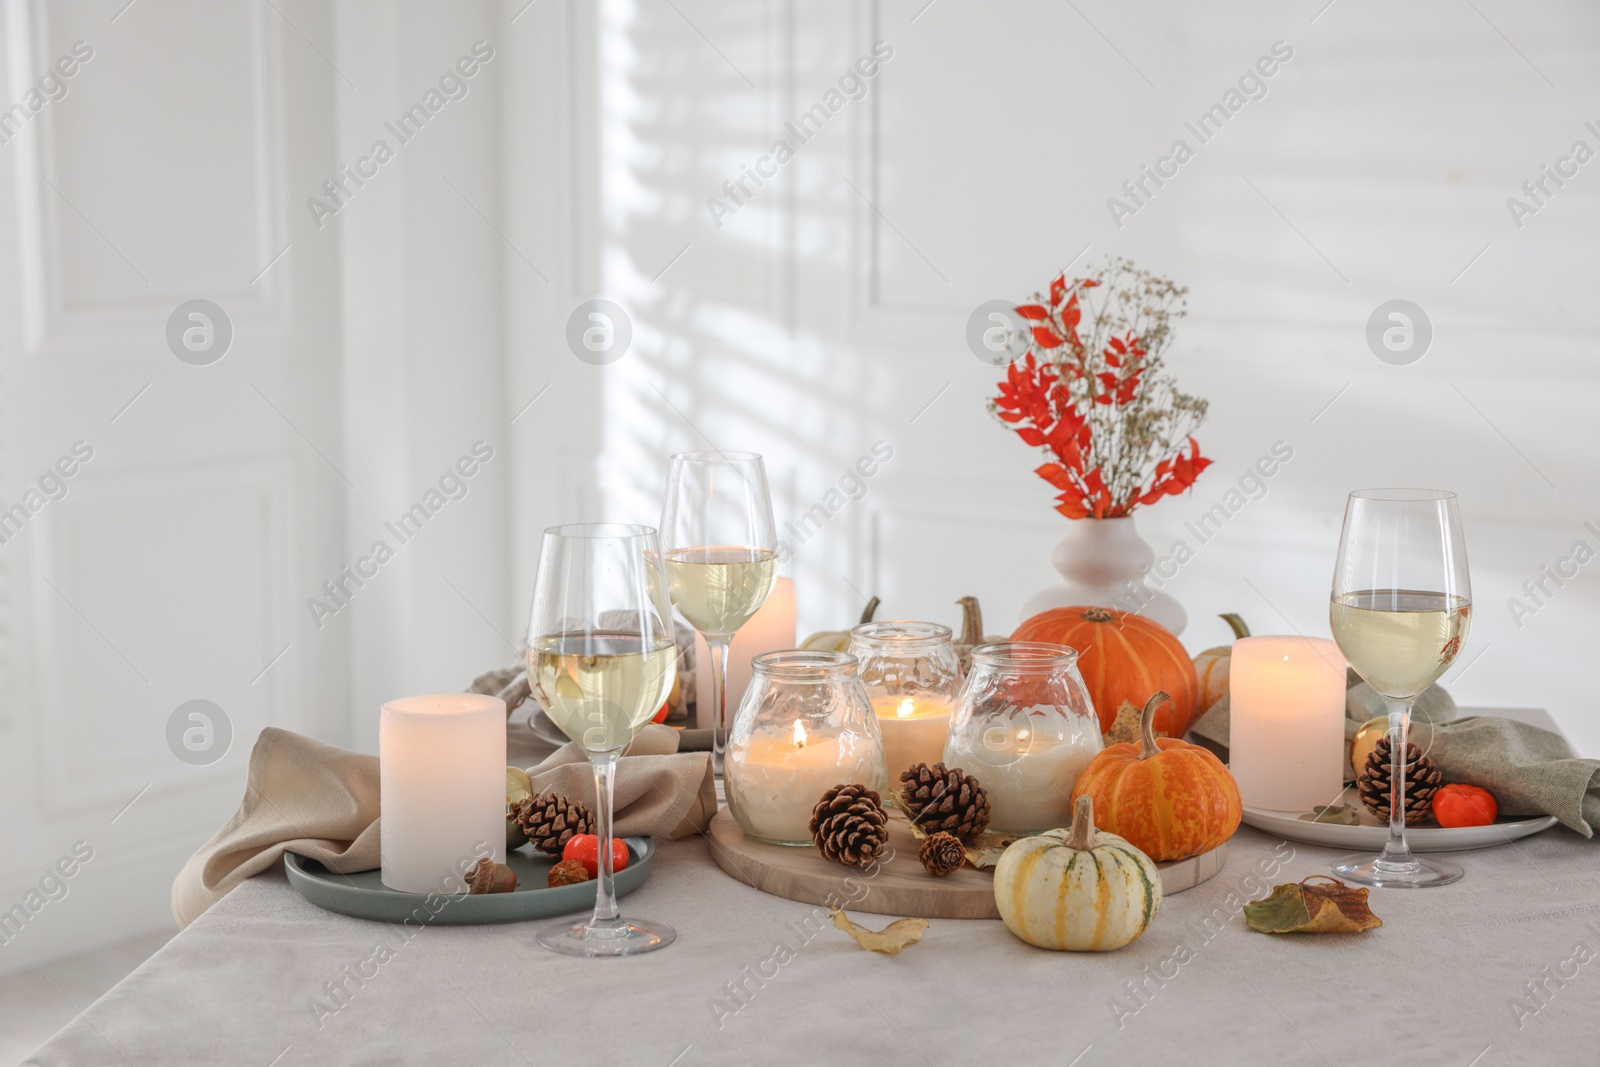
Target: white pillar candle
(1029,780)
(770,629)
(442,769)
(914,731)
(1286,721)
(773,783)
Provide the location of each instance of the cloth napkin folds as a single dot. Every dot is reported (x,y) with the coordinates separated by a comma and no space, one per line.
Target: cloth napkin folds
(1530,770)
(321,801)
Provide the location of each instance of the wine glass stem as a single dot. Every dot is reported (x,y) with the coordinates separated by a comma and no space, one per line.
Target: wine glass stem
(718,646)
(605,897)
(1395,849)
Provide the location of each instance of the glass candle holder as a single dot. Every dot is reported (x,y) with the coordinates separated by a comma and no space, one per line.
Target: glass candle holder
(805,725)
(912,677)
(1025,728)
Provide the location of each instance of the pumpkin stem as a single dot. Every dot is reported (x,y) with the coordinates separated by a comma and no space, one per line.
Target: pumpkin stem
(1147,724)
(870,610)
(971,622)
(1097,615)
(1236,623)
(1081,836)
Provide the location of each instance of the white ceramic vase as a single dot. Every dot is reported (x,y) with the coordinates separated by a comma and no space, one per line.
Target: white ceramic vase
(1103,562)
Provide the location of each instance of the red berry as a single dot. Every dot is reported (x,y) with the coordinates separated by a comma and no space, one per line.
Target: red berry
(585,848)
(1464,805)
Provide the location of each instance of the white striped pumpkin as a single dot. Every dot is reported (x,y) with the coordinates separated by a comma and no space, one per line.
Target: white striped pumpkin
(1081,890)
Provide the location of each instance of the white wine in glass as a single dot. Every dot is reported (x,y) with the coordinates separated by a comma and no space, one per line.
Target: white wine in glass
(721,549)
(601,660)
(601,688)
(718,589)
(1400,612)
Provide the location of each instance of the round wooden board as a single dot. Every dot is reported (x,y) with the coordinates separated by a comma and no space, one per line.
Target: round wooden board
(900,886)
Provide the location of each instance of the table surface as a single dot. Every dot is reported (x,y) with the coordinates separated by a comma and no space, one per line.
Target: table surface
(755,977)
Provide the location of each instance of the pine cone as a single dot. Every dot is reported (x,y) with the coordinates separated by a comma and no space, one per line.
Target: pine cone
(1422,781)
(550,820)
(947,800)
(849,825)
(941,854)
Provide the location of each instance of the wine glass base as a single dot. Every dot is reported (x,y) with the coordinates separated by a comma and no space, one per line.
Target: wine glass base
(625,937)
(1418,873)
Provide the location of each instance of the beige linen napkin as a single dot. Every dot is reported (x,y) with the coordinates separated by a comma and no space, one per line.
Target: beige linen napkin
(321,801)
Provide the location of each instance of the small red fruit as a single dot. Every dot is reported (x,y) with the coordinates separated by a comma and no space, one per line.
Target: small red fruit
(1464,805)
(585,848)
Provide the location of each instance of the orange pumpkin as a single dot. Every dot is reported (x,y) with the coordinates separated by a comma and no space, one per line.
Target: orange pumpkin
(1211,666)
(1165,797)
(1122,656)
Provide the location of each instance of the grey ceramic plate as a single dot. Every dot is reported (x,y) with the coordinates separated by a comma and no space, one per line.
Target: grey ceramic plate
(364,896)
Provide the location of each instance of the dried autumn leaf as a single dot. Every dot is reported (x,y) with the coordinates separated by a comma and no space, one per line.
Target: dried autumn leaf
(1126,726)
(984,850)
(898,801)
(1339,814)
(890,940)
(1312,908)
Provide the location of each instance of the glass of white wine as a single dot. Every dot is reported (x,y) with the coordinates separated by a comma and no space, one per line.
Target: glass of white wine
(720,544)
(601,661)
(1401,609)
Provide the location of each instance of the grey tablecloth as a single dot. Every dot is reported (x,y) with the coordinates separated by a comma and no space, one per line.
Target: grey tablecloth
(1438,984)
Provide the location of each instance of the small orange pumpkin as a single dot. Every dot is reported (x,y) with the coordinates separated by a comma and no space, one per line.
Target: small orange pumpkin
(1122,656)
(1211,666)
(1165,797)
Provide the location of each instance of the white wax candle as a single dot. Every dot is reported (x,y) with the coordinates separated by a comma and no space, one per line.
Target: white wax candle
(914,731)
(770,629)
(773,783)
(1028,780)
(442,769)
(1286,721)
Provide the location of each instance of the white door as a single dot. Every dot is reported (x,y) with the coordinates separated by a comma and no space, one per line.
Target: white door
(170,471)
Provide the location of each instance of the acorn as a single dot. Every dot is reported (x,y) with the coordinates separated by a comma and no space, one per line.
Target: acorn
(487,876)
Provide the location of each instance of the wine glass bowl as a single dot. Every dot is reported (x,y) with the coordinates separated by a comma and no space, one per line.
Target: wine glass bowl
(601,660)
(1400,611)
(719,545)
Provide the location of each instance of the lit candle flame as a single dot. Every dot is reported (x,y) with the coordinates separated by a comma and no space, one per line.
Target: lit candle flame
(799,734)
(907,706)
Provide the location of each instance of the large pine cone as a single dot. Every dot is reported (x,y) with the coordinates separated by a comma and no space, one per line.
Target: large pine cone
(1422,781)
(550,820)
(849,825)
(947,800)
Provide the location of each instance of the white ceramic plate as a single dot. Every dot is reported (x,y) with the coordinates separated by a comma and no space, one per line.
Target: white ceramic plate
(1370,836)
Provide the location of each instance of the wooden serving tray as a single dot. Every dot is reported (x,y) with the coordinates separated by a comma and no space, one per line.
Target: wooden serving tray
(898,885)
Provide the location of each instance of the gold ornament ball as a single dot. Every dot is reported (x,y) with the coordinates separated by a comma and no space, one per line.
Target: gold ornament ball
(1365,740)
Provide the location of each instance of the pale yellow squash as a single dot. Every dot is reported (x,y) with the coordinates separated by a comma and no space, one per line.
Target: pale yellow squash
(1081,890)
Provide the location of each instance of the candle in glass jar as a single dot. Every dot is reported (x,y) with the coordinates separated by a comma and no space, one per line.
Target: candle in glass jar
(914,731)
(441,789)
(773,783)
(1286,744)
(1028,779)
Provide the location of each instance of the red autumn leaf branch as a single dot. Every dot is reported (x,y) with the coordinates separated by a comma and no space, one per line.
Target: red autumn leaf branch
(1116,432)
